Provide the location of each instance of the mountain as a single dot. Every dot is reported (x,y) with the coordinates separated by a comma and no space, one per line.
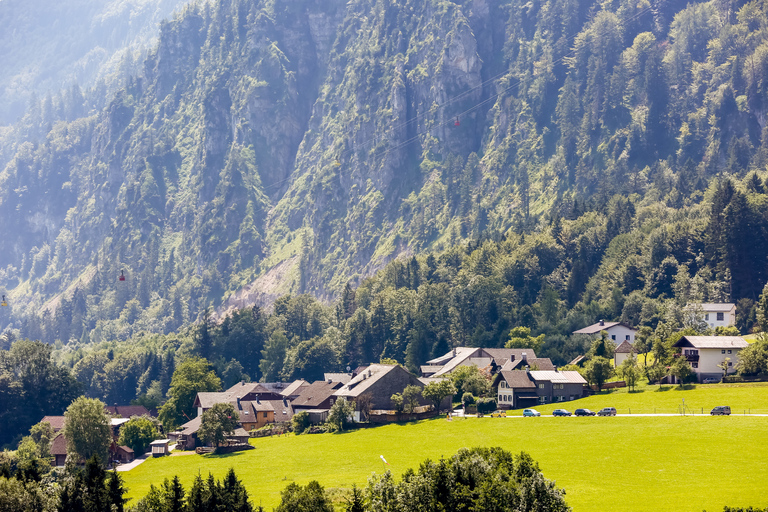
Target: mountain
(46,45)
(269,147)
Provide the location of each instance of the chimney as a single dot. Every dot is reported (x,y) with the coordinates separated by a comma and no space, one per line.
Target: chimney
(454,352)
(512,357)
(525,357)
(369,373)
(555,367)
(602,323)
(238,403)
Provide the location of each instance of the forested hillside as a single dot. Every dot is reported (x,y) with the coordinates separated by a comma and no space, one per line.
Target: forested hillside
(576,153)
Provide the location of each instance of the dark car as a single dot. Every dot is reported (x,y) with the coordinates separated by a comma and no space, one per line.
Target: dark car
(560,412)
(721,410)
(583,412)
(607,411)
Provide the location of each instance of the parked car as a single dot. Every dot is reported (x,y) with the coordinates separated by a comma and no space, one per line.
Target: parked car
(583,412)
(607,411)
(499,414)
(710,380)
(721,410)
(560,412)
(531,412)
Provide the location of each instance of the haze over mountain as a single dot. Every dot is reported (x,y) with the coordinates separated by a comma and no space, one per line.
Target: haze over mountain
(46,46)
(268,147)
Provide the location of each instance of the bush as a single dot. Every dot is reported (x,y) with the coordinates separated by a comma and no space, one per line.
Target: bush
(467,399)
(486,405)
(300,422)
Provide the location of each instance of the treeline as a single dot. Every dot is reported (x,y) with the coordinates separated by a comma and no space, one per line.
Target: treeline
(489,479)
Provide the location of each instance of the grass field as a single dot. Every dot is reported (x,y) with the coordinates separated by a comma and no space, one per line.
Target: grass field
(624,463)
(648,399)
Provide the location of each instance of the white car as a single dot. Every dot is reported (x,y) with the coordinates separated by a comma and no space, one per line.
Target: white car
(531,412)
(710,381)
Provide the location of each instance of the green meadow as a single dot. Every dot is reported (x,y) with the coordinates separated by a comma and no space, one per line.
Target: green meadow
(653,399)
(629,463)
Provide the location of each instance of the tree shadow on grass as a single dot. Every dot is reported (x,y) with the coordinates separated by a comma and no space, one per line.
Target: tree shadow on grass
(664,388)
(225,455)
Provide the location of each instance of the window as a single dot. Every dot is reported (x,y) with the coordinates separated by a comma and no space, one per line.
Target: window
(613,337)
(543,399)
(541,385)
(626,337)
(730,363)
(706,317)
(729,351)
(560,398)
(720,317)
(503,384)
(264,415)
(694,365)
(723,351)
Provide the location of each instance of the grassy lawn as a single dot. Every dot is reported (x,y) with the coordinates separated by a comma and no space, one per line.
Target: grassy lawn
(746,397)
(623,463)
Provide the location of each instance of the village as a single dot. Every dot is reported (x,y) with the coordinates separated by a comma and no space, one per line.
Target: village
(466,381)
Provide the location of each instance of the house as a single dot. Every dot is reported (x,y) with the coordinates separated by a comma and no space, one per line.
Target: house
(617,331)
(380,382)
(558,386)
(186,436)
(714,315)
(160,447)
(121,454)
(518,389)
(294,389)
(127,411)
(59,450)
(56,422)
(622,352)
(492,358)
(318,395)
(705,353)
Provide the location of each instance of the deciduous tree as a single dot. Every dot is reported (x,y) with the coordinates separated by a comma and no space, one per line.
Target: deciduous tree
(87,430)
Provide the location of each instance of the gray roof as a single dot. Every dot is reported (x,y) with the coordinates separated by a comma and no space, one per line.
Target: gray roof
(362,382)
(207,399)
(712,342)
(596,328)
(518,379)
(338,377)
(295,387)
(542,363)
(316,393)
(566,377)
(715,307)
(480,357)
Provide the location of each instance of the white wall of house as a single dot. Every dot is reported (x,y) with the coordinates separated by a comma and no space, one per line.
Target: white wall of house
(724,320)
(619,333)
(619,358)
(709,358)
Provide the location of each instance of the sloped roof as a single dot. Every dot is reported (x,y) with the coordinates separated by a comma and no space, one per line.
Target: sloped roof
(191,426)
(480,357)
(57,422)
(502,355)
(713,307)
(596,328)
(295,387)
(565,377)
(712,342)
(338,377)
(361,383)
(207,399)
(283,410)
(127,411)
(316,393)
(625,347)
(517,379)
(125,449)
(59,445)
(542,363)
